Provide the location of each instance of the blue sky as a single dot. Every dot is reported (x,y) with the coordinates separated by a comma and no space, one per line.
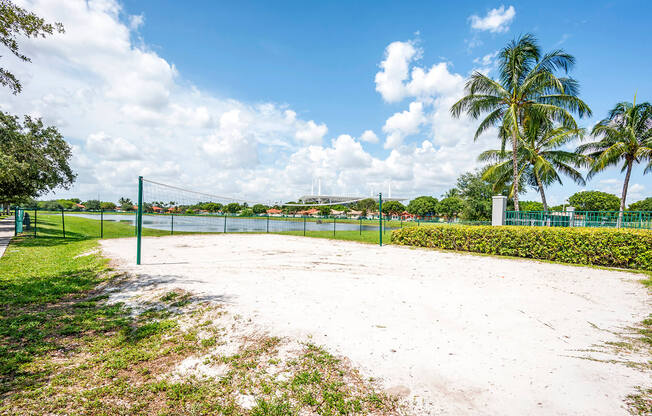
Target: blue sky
(253,76)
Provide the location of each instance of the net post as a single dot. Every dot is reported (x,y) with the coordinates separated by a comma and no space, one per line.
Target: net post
(139,219)
(380,217)
(101,223)
(63,223)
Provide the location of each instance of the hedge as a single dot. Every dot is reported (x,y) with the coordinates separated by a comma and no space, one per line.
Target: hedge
(596,246)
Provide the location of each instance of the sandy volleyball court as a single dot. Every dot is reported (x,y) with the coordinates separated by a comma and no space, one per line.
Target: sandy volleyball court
(459,334)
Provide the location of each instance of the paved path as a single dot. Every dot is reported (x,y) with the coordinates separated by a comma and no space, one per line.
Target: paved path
(6,232)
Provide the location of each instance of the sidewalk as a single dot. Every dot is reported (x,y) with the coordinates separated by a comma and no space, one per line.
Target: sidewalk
(6,232)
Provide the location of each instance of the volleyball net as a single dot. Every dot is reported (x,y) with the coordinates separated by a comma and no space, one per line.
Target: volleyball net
(163,208)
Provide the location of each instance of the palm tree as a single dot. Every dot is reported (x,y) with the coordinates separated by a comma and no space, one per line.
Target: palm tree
(526,83)
(540,160)
(625,136)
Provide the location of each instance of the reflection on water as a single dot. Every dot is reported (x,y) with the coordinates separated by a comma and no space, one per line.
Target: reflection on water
(210,223)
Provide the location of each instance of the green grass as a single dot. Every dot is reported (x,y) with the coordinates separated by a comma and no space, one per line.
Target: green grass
(65,350)
(83,228)
(370,237)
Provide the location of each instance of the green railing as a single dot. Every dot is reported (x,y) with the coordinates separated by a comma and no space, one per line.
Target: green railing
(604,219)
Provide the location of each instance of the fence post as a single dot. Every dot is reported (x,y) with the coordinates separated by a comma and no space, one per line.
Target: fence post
(334,222)
(101,223)
(172,224)
(498,209)
(571,217)
(15,222)
(63,223)
(267,222)
(360,226)
(225,223)
(139,219)
(35,209)
(380,218)
(304,226)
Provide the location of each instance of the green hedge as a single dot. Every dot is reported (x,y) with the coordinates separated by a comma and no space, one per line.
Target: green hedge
(597,246)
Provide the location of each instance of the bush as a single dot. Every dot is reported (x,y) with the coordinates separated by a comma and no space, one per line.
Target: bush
(596,246)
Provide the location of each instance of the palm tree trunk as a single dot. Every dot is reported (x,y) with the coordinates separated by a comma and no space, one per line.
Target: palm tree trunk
(515,168)
(543,194)
(624,196)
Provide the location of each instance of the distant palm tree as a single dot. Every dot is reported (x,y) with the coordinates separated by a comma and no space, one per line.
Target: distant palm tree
(539,158)
(625,136)
(526,83)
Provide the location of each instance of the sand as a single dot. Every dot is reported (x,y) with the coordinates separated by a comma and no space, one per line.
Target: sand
(457,334)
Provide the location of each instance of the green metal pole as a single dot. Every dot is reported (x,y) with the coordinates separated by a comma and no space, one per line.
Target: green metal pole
(172,225)
(334,222)
(101,223)
(225,222)
(16,222)
(360,226)
(63,224)
(380,217)
(267,222)
(304,226)
(35,221)
(139,219)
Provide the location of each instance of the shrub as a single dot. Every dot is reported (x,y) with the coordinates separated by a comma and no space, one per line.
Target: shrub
(596,246)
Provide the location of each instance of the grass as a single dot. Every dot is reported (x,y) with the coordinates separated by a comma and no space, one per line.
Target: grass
(371,237)
(65,350)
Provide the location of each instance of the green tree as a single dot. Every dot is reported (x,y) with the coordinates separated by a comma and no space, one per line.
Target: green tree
(625,139)
(594,201)
(246,212)
(126,204)
(393,208)
(367,204)
(527,84)
(422,206)
(34,159)
(540,158)
(325,210)
(477,194)
(14,22)
(451,207)
(643,205)
(232,208)
(213,206)
(92,204)
(260,209)
(531,206)
(108,206)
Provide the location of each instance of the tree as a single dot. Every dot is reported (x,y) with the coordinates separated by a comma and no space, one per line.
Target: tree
(92,204)
(325,210)
(526,83)
(625,138)
(109,206)
(34,159)
(477,194)
(126,204)
(232,208)
(540,159)
(451,207)
(15,21)
(644,205)
(594,201)
(259,209)
(367,204)
(393,208)
(212,206)
(531,206)
(423,206)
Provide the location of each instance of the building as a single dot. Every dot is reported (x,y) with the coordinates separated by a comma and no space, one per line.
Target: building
(335,199)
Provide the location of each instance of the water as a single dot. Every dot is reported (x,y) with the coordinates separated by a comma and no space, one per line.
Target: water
(233,224)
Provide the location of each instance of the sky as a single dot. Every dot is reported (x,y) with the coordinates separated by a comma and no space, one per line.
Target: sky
(262,100)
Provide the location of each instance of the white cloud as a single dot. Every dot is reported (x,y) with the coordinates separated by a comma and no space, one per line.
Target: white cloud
(394,70)
(136,21)
(496,20)
(111,148)
(369,136)
(311,132)
(402,124)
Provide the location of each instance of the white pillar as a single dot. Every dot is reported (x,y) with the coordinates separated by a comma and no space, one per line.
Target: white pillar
(498,208)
